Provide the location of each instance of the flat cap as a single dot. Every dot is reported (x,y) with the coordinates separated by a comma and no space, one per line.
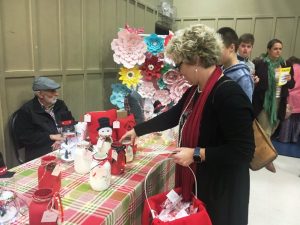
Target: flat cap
(44,83)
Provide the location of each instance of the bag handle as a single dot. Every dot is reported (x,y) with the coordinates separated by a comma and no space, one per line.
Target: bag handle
(145,185)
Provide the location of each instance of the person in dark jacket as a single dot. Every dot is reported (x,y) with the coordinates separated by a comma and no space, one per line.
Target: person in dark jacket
(215,128)
(38,121)
(270,98)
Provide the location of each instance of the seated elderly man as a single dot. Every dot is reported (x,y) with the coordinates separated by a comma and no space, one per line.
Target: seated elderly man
(39,119)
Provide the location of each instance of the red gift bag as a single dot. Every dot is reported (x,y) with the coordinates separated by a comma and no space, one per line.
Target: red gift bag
(126,124)
(152,207)
(94,124)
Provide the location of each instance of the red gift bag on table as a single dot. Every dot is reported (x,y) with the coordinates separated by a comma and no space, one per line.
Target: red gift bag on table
(152,207)
(126,124)
(94,124)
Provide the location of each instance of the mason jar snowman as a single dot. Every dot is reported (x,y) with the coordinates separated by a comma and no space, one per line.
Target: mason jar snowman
(100,174)
(104,137)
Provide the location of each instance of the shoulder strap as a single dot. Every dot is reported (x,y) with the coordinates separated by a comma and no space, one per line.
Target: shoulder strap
(219,85)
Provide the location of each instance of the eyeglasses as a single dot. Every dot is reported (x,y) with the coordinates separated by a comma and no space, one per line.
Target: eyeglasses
(177,66)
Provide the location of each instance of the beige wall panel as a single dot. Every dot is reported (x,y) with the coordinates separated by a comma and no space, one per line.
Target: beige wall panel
(140,15)
(48,34)
(72,34)
(195,8)
(150,19)
(188,22)
(121,13)
(93,36)
(130,12)
(297,41)
(109,32)
(109,79)
(18,91)
(209,22)
(224,22)
(94,96)
(74,94)
(16,35)
(178,25)
(263,32)
(285,29)
(243,25)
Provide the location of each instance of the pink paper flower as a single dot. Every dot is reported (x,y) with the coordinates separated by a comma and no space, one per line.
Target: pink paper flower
(171,76)
(163,96)
(146,89)
(177,89)
(129,49)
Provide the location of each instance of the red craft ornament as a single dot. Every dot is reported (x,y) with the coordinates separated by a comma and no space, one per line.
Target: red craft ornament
(117,158)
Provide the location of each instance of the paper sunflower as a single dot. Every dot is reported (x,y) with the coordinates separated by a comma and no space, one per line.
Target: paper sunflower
(129,49)
(154,43)
(130,77)
(151,68)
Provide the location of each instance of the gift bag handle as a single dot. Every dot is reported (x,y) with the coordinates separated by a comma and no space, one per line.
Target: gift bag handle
(145,185)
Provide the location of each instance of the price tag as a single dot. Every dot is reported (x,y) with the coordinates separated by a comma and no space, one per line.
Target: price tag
(114,155)
(56,171)
(87,118)
(116,124)
(173,196)
(50,216)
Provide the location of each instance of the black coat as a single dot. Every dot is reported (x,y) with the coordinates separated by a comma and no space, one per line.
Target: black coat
(261,70)
(227,135)
(34,125)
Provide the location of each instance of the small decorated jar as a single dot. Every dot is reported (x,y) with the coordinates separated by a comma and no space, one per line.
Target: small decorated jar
(43,202)
(128,150)
(100,174)
(45,177)
(83,157)
(117,158)
(9,207)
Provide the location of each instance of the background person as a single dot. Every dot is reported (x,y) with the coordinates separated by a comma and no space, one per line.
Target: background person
(270,99)
(38,119)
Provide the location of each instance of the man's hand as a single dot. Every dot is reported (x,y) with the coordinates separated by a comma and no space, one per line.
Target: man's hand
(56,137)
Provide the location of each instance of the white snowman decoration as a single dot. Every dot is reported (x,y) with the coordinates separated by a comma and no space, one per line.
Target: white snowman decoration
(104,137)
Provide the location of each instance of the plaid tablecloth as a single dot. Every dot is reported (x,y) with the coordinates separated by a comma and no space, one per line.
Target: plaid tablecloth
(121,203)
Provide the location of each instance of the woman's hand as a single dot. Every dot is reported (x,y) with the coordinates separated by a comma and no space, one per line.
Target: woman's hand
(184,157)
(288,77)
(129,134)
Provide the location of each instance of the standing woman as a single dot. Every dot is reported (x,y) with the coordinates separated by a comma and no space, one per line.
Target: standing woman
(270,99)
(215,128)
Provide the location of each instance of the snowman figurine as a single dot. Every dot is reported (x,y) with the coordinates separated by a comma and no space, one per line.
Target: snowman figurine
(104,137)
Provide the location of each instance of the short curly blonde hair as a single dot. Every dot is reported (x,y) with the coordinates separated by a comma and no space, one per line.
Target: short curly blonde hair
(197,44)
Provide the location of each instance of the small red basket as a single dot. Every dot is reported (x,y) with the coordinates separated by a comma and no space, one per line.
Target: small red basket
(152,207)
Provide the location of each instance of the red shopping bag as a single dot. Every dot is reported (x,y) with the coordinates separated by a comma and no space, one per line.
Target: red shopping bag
(152,207)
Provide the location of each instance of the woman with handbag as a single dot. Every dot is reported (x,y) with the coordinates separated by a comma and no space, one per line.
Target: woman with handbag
(270,95)
(215,128)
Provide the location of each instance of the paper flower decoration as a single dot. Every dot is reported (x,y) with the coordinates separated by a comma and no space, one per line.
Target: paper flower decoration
(171,76)
(163,96)
(161,84)
(130,77)
(129,49)
(119,92)
(154,43)
(146,89)
(151,68)
(177,89)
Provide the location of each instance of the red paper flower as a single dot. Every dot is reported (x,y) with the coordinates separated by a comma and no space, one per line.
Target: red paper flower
(151,68)
(168,38)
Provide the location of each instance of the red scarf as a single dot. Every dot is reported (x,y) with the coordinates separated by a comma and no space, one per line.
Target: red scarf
(190,132)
